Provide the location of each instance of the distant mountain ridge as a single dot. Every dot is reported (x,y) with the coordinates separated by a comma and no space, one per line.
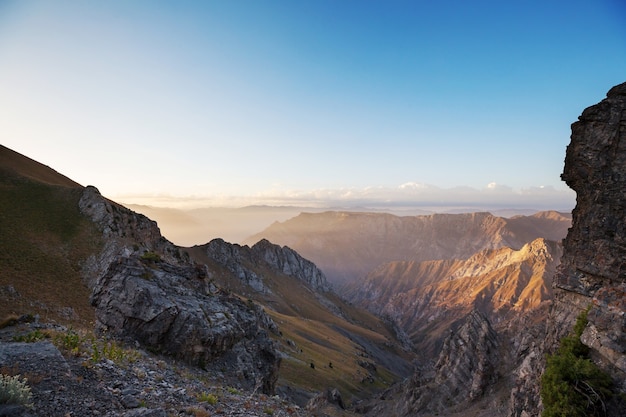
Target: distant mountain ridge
(347,245)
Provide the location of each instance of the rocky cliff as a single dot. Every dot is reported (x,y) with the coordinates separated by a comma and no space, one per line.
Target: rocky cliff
(147,290)
(593,268)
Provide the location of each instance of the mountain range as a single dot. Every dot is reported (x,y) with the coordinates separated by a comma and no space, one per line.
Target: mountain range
(347,245)
(121,273)
(440,314)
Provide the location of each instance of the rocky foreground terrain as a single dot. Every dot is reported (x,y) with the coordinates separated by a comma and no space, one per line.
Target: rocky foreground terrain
(119,381)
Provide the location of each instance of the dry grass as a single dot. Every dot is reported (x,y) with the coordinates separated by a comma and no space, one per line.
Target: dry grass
(320,336)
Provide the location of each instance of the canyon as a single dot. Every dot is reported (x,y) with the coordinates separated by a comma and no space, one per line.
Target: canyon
(333,313)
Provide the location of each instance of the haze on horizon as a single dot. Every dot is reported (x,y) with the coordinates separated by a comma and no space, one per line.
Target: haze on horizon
(320,103)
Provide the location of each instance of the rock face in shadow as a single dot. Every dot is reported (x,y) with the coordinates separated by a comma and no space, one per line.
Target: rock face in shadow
(147,290)
(464,370)
(593,268)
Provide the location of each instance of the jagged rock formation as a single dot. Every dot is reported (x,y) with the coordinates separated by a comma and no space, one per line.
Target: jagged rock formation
(147,290)
(593,268)
(477,325)
(283,259)
(124,232)
(500,283)
(347,246)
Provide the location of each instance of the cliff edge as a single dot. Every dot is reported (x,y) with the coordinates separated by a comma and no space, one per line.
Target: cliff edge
(593,266)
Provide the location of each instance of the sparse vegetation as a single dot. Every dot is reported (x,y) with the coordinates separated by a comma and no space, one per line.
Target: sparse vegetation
(151,256)
(69,340)
(44,239)
(207,397)
(572,385)
(31,337)
(112,351)
(14,390)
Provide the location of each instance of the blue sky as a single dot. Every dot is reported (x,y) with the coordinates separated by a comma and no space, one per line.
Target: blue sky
(307,102)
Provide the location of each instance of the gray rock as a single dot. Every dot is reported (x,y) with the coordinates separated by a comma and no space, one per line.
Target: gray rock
(40,359)
(170,309)
(280,259)
(13,410)
(592,271)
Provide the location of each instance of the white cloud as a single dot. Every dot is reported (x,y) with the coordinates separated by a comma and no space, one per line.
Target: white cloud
(410,194)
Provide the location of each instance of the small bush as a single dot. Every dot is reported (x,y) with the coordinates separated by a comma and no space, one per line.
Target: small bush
(13,390)
(206,397)
(69,341)
(572,385)
(31,337)
(112,351)
(151,257)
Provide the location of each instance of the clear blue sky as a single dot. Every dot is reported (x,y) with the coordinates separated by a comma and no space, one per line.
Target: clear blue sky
(236,102)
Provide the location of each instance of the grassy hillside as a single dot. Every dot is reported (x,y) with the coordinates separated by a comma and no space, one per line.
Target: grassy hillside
(342,347)
(43,239)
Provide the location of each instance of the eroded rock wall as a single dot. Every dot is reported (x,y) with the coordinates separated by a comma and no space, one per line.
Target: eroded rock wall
(593,268)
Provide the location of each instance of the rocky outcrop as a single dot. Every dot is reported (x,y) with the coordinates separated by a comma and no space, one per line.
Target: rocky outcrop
(130,383)
(147,290)
(593,268)
(124,232)
(233,257)
(176,310)
(468,360)
(264,253)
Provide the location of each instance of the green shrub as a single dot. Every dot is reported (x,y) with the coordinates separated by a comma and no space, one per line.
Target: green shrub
(207,398)
(112,351)
(13,390)
(572,385)
(151,257)
(31,337)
